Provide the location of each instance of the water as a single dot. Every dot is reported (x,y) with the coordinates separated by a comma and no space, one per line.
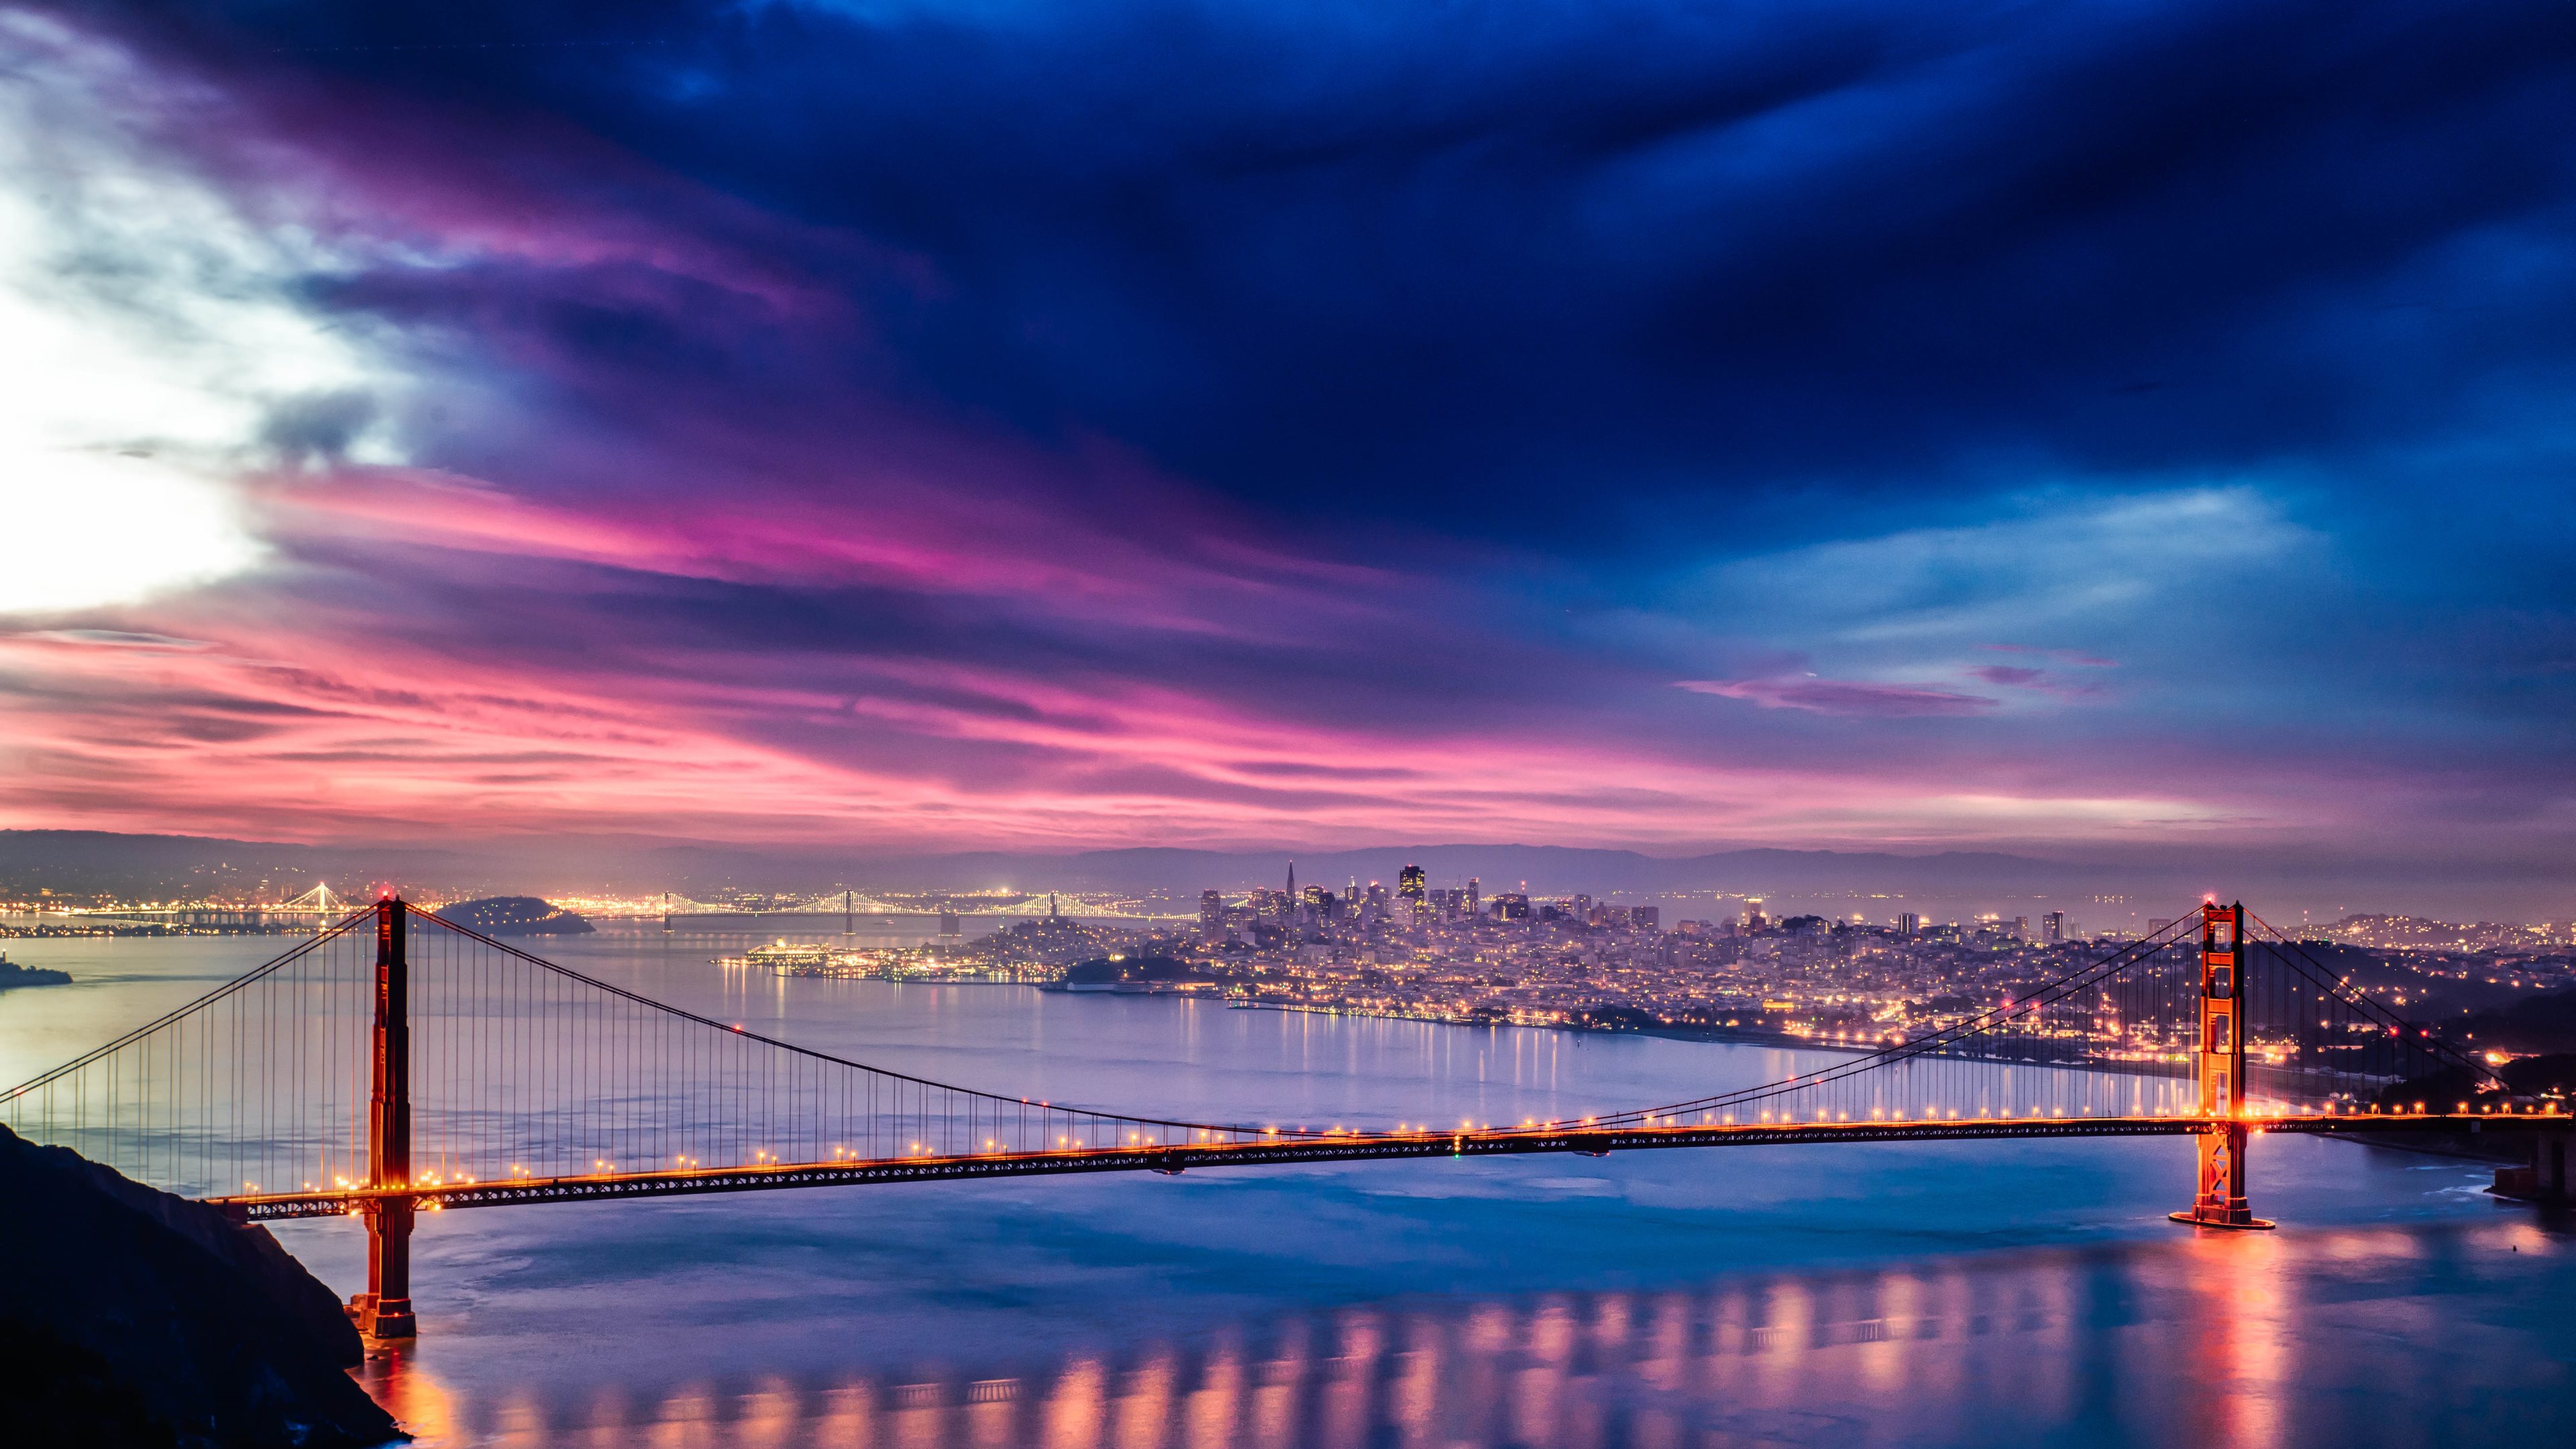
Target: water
(1932,1294)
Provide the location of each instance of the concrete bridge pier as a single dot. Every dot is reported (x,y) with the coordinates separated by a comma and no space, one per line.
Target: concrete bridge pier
(2545,1180)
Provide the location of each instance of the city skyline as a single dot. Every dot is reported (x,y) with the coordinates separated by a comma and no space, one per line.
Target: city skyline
(438,430)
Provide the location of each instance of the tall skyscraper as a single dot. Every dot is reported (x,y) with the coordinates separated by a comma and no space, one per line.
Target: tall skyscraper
(1474,906)
(1408,882)
(2052,927)
(1909,924)
(1211,910)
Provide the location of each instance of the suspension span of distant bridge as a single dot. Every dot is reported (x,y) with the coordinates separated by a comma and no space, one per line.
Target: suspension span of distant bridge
(397,1063)
(849,905)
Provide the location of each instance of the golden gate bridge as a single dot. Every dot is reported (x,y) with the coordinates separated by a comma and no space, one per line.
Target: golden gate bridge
(398,1063)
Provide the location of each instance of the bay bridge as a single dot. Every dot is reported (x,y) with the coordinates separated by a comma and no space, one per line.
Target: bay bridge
(850,906)
(398,1063)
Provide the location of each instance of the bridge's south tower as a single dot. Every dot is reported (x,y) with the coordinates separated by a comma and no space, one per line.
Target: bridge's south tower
(2218,1199)
(384,1310)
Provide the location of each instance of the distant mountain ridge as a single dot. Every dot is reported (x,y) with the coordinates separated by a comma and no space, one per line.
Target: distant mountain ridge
(2286,883)
(1554,868)
(83,861)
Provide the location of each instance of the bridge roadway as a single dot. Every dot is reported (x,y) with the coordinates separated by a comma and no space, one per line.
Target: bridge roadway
(1350,1147)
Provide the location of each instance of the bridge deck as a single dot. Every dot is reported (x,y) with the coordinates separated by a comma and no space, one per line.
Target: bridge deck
(1340,1148)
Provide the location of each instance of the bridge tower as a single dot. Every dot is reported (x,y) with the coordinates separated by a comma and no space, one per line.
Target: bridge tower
(2218,1199)
(384,1310)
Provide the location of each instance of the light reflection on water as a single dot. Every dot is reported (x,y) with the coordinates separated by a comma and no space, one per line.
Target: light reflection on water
(2244,1341)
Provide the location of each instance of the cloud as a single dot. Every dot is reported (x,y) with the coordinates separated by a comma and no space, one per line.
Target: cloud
(1843,696)
(112,639)
(147,325)
(2062,656)
(1159,422)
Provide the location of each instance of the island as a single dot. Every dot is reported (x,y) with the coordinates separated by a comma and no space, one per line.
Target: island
(1133,974)
(13,974)
(514,916)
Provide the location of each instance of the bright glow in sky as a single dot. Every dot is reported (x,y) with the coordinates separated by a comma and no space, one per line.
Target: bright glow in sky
(147,331)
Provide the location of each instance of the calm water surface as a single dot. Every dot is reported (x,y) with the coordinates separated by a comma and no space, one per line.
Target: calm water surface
(1935,1294)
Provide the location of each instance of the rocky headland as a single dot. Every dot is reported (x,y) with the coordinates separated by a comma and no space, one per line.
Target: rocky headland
(129,1317)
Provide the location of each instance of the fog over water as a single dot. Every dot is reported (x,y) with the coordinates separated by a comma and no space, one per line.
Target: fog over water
(1932,1294)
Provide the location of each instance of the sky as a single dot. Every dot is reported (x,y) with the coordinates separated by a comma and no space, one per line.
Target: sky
(2078,429)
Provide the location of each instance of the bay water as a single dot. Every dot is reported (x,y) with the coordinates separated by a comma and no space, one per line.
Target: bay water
(1997,1293)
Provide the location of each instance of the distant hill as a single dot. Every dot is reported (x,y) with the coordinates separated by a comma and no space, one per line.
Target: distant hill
(149,867)
(1132,973)
(2286,884)
(92,861)
(2543,1023)
(514,916)
(1547,868)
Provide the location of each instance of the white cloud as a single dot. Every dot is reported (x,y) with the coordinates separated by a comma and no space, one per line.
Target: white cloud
(149,328)
(2046,565)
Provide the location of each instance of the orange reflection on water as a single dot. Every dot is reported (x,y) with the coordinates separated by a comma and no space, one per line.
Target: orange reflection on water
(2238,1371)
(416,1400)
(2204,1338)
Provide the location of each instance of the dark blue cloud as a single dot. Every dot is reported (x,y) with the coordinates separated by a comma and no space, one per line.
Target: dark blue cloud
(1564,272)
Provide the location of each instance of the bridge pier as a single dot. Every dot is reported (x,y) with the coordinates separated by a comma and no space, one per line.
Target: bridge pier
(2545,1180)
(384,1310)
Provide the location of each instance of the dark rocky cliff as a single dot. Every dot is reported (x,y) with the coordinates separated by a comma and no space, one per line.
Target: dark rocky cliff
(132,1317)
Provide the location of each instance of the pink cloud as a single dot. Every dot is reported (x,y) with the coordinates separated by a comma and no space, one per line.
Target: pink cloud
(2040,681)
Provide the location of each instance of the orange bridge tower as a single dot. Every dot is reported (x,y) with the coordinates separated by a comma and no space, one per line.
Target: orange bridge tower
(384,1310)
(2218,1199)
